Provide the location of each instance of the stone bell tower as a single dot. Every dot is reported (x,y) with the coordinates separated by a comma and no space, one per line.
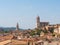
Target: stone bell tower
(38,22)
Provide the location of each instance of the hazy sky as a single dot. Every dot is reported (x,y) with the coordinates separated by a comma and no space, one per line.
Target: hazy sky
(25,12)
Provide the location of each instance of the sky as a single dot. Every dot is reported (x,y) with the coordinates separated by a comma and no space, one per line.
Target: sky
(25,12)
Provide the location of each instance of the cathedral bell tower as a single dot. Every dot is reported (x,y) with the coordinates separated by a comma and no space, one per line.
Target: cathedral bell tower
(38,22)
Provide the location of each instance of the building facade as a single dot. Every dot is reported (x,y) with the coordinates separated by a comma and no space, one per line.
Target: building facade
(41,24)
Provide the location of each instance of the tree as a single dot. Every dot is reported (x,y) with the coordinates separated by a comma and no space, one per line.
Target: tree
(32,33)
(45,31)
(38,31)
(51,30)
(6,31)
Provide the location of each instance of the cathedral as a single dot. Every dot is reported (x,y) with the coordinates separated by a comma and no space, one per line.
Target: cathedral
(41,24)
(45,25)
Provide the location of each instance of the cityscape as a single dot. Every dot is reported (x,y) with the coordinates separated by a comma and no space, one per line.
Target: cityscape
(42,34)
(29,22)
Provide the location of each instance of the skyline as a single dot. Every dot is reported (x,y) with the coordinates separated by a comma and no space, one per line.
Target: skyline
(25,12)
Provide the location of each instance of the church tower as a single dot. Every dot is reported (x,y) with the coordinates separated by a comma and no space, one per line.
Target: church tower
(17,26)
(38,22)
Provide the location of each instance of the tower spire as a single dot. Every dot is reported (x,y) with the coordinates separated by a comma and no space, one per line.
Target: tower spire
(17,26)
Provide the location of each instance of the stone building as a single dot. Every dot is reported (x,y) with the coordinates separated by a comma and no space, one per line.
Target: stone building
(45,25)
(40,24)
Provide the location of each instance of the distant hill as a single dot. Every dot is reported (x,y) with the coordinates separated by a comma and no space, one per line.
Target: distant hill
(8,28)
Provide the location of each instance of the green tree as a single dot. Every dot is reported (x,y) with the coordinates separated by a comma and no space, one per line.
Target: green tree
(45,31)
(32,33)
(51,30)
(6,31)
(38,31)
